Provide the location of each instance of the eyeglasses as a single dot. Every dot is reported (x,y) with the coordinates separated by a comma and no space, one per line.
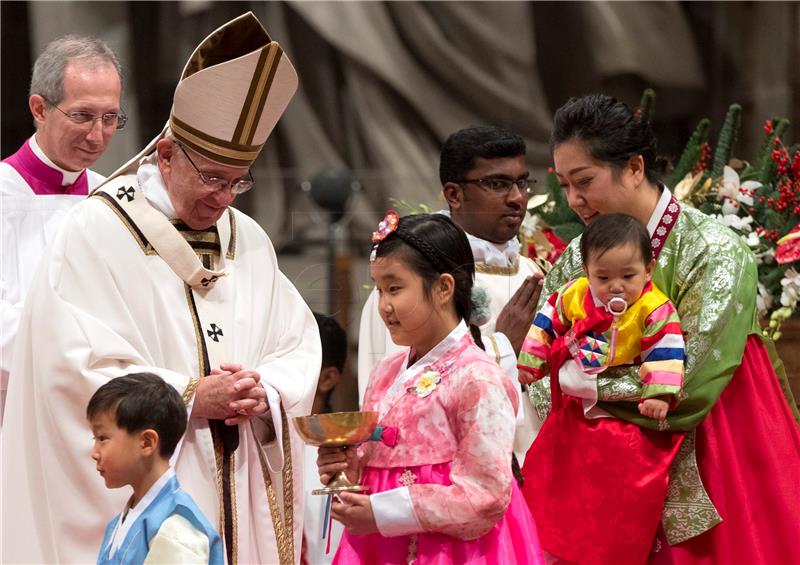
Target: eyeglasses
(110,119)
(217,184)
(502,186)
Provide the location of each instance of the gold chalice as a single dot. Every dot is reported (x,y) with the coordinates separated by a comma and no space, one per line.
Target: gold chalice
(338,429)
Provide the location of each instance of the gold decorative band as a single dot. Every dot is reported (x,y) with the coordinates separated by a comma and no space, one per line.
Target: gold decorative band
(493,270)
(190,390)
(496,349)
(216,149)
(257,94)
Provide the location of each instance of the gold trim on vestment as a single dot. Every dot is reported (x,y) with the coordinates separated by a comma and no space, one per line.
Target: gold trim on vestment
(496,349)
(201,237)
(107,199)
(231,254)
(218,455)
(234,516)
(188,393)
(198,330)
(288,485)
(493,270)
(283,526)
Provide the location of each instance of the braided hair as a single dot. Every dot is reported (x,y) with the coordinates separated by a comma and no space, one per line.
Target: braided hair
(431,245)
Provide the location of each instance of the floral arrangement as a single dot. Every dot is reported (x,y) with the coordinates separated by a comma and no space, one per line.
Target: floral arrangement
(550,223)
(759,200)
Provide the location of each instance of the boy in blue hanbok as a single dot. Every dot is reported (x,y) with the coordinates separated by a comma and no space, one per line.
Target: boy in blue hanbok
(137,421)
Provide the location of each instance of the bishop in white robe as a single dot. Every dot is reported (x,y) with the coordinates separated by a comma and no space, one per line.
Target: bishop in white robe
(128,286)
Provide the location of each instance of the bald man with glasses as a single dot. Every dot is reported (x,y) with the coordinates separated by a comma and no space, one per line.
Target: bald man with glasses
(75,95)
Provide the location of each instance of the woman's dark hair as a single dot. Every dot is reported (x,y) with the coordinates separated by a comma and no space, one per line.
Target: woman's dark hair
(431,245)
(614,230)
(142,401)
(611,132)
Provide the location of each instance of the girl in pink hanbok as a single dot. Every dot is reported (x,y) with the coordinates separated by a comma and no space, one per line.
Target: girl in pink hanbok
(440,478)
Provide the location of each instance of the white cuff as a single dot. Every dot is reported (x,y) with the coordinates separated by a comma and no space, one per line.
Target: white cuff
(580,384)
(394,513)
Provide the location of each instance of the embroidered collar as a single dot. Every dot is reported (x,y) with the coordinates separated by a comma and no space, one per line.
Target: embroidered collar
(131,514)
(500,255)
(501,271)
(662,220)
(439,349)
(430,359)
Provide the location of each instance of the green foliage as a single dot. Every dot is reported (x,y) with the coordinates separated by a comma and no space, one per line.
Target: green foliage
(647,104)
(407,209)
(728,136)
(690,155)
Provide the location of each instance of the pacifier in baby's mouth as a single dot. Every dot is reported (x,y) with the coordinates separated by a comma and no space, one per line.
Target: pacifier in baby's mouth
(617,306)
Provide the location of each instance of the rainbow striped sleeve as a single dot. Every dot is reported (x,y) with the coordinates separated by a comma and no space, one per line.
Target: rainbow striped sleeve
(535,349)
(663,353)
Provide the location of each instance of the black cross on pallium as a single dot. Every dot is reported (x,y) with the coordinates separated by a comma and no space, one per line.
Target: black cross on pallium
(215,332)
(205,282)
(123,192)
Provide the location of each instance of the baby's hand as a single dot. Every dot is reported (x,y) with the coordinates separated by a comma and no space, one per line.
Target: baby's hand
(654,408)
(525,377)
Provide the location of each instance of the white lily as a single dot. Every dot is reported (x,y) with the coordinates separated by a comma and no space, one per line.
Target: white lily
(732,191)
(530,224)
(791,288)
(738,223)
(763,300)
(752,240)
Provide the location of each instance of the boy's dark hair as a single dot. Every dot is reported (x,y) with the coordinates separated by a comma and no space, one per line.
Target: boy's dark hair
(334,342)
(431,245)
(614,230)
(142,401)
(459,151)
(610,130)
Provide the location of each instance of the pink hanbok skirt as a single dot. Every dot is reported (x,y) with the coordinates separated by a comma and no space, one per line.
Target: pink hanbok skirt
(513,539)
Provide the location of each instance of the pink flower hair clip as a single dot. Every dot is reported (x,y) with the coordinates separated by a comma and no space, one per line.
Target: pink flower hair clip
(387,226)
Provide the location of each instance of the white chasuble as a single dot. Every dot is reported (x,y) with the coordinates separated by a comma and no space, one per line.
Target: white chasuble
(123,290)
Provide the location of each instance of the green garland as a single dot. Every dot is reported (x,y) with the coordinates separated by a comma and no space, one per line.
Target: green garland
(728,136)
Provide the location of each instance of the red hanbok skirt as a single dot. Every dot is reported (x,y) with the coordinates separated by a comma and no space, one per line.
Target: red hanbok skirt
(748,452)
(596,488)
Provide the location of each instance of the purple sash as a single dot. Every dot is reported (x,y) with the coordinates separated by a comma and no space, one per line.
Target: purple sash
(41,178)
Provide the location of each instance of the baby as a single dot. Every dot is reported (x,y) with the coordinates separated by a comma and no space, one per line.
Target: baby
(614,316)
